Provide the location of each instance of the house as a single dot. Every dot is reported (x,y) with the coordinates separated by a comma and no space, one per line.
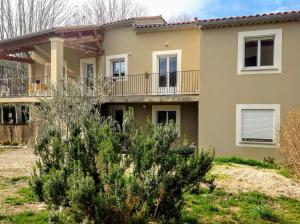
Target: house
(227,83)
(250,75)
(150,65)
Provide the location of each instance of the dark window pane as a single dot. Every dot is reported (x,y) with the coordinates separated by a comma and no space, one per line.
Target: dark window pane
(116,68)
(173,64)
(162,80)
(173,79)
(161,117)
(163,65)
(172,116)
(9,114)
(173,71)
(122,68)
(267,52)
(24,114)
(119,116)
(251,53)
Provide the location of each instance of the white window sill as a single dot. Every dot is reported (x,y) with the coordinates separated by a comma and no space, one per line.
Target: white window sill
(259,70)
(257,144)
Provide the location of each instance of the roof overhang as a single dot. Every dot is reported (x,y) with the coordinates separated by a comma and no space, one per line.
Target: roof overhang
(76,37)
(250,20)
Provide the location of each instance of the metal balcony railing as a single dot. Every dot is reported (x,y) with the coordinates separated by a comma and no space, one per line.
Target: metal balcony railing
(172,83)
(16,83)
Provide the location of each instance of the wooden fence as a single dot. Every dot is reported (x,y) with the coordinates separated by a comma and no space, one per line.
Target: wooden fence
(20,134)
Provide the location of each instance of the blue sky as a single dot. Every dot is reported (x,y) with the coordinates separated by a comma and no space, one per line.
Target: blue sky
(217,8)
(227,8)
(204,9)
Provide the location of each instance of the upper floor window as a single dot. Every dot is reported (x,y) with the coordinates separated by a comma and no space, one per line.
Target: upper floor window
(117,65)
(260,51)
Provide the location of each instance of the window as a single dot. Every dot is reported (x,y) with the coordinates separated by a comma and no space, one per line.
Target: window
(166,68)
(25,115)
(88,71)
(9,114)
(162,114)
(117,112)
(257,124)
(164,117)
(117,65)
(259,52)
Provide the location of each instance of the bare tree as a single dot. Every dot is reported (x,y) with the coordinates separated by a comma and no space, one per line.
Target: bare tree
(19,17)
(180,18)
(106,11)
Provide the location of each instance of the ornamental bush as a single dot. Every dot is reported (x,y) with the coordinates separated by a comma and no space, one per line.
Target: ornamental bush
(98,172)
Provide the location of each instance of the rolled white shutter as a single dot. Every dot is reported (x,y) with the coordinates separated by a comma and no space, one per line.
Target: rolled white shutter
(257,124)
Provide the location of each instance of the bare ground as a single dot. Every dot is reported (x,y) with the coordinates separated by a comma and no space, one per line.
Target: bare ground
(15,169)
(235,178)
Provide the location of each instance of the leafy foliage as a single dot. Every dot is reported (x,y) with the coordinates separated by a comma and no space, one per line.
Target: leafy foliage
(99,172)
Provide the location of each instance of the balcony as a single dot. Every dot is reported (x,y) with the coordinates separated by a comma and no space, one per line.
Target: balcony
(15,84)
(173,83)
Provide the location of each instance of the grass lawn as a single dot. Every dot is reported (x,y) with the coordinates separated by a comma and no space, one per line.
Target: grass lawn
(18,205)
(26,217)
(222,207)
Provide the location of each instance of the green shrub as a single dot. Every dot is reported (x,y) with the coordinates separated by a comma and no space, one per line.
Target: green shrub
(100,173)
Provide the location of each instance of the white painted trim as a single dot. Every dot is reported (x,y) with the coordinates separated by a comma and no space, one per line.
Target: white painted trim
(240,107)
(176,108)
(277,68)
(155,55)
(87,61)
(109,60)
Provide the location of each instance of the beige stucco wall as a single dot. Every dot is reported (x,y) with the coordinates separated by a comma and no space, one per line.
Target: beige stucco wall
(221,88)
(188,118)
(140,47)
(71,57)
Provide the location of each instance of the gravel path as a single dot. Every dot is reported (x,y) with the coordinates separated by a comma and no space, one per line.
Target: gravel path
(240,178)
(16,162)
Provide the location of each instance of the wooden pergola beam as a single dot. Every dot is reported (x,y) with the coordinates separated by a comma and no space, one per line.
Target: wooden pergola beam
(16,59)
(85,48)
(16,50)
(82,40)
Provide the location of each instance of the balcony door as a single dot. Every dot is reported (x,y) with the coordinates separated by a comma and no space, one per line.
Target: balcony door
(88,70)
(166,68)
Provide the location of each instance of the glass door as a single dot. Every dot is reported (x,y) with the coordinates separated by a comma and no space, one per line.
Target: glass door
(167,74)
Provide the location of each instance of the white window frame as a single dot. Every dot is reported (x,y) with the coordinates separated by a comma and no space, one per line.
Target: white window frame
(109,65)
(276,126)
(155,66)
(259,34)
(156,108)
(87,61)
